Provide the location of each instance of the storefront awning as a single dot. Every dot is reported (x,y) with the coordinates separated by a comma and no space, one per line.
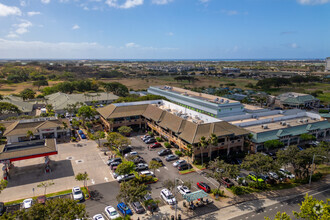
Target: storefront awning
(195,195)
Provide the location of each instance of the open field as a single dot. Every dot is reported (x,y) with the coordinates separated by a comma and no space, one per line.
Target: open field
(14,88)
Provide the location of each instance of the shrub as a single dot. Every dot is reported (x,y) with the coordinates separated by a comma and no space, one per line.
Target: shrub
(260,185)
(179,153)
(167,145)
(158,139)
(218,192)
(323,111)
(150,133)
(73,139)
(240,190)
(317,176)
(197,162)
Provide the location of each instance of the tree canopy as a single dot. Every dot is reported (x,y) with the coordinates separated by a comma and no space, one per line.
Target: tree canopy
(126,167)
(7,108)
(273,144)
(117,140)
(27,94)
(125,130)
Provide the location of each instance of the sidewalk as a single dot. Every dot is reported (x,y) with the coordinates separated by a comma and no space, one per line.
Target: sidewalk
(227,206)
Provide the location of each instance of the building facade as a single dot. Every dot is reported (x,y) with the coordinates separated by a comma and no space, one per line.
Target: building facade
(296,100)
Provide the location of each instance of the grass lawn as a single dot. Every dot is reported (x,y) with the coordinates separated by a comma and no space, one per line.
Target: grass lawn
(324,98)
(283,186)
(83,189)
(200,166)
(323,168)
(187,171)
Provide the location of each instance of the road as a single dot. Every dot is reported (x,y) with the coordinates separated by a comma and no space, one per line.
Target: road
(105,194)
(287,206)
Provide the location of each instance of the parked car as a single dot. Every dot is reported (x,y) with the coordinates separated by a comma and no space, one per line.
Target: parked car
(144,137)
(204,186)
(125,177)
(2,208)
(287,173)
(115,175)
(77,193)
(114,164)
(147,173)
(167,196)
(138,159)
(125,150)
(123,208)
(27,203)
(183,190)
(137,207)
(150,141)
(184,166)
(98,217)
(226,182)
(155,145)
(130,154)
(241,175)
(164,152)
(41,199)
(158,160)
(253,176)
(111,212)
(83,136)
(178,162)
(117,159)
(147,138)
(264,177)
(273,175)
(80,132)
(152,205)
(141,166)
(171,157)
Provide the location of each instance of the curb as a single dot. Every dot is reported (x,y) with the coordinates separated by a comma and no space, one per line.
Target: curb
(187,172)
(89,195)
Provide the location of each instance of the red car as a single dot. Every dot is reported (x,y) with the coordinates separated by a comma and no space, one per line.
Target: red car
(204,187)
(155,145)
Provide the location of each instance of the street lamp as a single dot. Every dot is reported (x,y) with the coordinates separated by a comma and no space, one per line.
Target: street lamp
(311,173)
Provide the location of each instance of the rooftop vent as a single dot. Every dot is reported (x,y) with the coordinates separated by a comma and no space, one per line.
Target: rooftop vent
(264,126)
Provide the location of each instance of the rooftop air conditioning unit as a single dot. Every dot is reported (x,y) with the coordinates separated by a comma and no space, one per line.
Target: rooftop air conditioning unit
(306,120)
(288,124)
(265,126)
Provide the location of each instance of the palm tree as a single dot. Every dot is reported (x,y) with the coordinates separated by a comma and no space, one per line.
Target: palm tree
(202,144)
(29,134)
(213,140)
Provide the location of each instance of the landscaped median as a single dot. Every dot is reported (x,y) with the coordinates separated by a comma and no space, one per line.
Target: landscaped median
(187,171)
(52,195)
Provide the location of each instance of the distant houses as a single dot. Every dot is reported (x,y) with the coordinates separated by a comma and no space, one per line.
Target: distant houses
(296,100)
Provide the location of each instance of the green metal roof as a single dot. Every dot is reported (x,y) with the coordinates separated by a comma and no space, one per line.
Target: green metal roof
(195,196)
(299,99)
(290,131)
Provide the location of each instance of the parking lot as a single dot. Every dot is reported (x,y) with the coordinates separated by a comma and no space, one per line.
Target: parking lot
(105,194)
(72,158)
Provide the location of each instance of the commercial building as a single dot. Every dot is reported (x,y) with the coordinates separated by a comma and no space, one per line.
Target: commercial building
(42,128)
(180,126)
(60,101)
(327,64)
(296,100)
(200,102)
(286,126)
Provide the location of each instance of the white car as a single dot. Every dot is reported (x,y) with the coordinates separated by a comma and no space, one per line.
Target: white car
(111,212)
(27,203)
(77,193)
(98,217)
(168,197)
(273,175)
(147,173)
(183,190)
(141,166)
(133,153)
(125,177)
(287,173)
(178,162)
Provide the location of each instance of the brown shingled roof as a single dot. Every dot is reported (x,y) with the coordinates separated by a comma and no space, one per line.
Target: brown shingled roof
(171,122)
(154,113)
(113,111)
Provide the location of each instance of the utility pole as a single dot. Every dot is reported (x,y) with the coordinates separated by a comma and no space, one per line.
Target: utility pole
(311,173)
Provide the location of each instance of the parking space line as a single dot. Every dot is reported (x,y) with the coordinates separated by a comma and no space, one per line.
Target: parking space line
(165,168)
(93,182)
(102,158)
(158,170)
(105,216)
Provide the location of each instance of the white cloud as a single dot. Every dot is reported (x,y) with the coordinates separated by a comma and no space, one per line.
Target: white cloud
(9,10)
(313,2)
(170,33)
(32,13)
(204,1)
(125,4)
(294,45)
(130,45)
(230,12)
(75,27)
(22,28)
(45,1)
(12,35)
(161,2)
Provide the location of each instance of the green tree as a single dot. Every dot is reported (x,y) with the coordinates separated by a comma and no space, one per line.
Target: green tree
(169,184)
(29,134)
(273,144)
(125,130)
(7,108)
(53,209)
(131,191)
(45,185)
(126,167)
(202,145)
(75,123)
(213,141)
(2,130)
(117,140)
(259,163)
(280,216)
(82,177)
(27,94)
(154,165)
(40,83)
(97,136)
(307,137)
(86,112)
(3,184)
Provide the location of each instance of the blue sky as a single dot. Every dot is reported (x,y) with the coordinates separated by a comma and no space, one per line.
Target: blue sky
(164,29)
